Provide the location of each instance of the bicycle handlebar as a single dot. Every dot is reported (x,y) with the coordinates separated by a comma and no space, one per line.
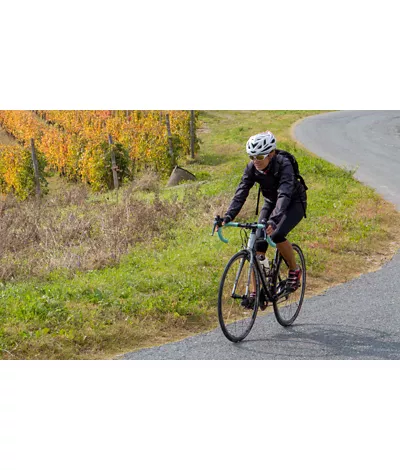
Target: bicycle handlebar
(237,224)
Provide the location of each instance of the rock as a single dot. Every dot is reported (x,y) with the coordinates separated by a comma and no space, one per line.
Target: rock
(180,174)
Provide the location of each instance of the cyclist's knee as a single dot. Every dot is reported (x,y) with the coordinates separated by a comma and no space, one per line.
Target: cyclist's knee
(278,237)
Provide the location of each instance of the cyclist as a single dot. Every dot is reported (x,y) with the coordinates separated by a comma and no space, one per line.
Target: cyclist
(285,199)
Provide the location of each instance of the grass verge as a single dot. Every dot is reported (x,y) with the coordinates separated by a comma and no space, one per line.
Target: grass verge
(163,286)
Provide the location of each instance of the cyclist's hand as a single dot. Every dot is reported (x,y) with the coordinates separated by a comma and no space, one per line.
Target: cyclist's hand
(218,222)
(270,230)
(226,220)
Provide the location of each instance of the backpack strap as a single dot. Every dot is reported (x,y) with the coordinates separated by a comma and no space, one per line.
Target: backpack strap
(258,198)
(304,209)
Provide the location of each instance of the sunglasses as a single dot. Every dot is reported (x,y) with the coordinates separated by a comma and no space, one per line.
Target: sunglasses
(258,157)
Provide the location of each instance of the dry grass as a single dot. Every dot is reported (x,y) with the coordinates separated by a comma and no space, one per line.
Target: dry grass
(66,230)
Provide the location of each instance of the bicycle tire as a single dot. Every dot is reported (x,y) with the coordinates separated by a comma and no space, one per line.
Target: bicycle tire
(237,322)
(285,315)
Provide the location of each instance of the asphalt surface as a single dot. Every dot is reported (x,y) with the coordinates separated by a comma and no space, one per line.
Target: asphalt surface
(356,320)
(366,140)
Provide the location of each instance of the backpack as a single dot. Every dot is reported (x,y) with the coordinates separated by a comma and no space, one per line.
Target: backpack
(297,175)
(295,166)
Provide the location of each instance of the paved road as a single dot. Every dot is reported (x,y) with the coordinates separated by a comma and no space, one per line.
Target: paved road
(356,320)
(369,140)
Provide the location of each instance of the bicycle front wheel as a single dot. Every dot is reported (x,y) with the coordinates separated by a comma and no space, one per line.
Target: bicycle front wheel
(238,297)
(287,305)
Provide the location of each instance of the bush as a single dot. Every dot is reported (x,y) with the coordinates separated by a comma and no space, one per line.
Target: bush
(96,165)
(17,174)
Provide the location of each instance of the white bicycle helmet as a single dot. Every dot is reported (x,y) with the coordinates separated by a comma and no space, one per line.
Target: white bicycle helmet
(261,144)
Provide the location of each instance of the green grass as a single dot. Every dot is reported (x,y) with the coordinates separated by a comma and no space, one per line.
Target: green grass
(164,290)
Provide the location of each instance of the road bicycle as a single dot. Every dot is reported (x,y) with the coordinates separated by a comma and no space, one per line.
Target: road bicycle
(245,274)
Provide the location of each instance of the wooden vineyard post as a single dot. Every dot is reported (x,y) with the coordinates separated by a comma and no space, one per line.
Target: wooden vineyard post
(113,163)
(35,168)
(192,133)
(170,146)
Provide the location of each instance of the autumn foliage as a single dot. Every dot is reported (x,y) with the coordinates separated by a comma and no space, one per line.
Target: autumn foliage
(16,171)
(75,143)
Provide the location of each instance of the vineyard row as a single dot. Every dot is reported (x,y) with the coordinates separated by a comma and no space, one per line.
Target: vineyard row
(76,144)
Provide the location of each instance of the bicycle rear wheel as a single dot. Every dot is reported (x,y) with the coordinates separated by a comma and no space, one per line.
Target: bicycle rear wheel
(287,305)
(237,311)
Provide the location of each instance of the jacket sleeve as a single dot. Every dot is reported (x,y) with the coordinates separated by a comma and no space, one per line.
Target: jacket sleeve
(285,190)
(241,194)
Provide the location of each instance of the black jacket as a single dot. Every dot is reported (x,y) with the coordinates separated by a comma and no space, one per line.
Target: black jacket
(278,183)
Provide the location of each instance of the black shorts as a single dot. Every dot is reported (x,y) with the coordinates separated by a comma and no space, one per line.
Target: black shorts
(294,214)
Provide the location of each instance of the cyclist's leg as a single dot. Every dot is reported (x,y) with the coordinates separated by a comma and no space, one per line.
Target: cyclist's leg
(286,225)
(288,222)
(286,250)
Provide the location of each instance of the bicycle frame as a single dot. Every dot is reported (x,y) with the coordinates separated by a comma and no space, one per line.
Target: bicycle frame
(253,259)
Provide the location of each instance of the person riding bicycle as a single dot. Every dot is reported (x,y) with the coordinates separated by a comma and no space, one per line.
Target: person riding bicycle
(285,198)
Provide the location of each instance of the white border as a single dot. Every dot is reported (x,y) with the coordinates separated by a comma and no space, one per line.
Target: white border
(213,55)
